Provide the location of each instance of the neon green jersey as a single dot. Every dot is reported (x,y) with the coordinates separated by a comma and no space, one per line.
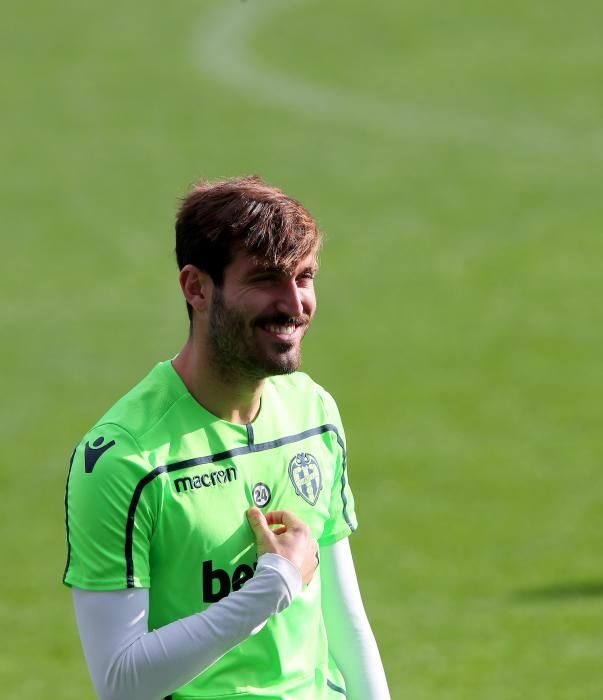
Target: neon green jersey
(157,496)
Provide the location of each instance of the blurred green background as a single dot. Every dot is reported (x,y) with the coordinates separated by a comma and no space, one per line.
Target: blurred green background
(453,155)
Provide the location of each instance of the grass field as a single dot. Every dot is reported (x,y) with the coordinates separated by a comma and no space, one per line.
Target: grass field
(453,154)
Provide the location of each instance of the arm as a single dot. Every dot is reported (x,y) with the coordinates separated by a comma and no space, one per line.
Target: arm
(351,640)
(128,662)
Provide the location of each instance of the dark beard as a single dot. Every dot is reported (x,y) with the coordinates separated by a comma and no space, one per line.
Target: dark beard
(233,349)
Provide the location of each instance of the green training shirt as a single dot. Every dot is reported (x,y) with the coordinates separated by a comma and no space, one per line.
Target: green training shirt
(157,495)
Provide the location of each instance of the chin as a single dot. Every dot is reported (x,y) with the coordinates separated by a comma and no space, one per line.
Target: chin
(283,364)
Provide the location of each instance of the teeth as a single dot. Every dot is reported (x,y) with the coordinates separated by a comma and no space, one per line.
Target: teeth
(282,330)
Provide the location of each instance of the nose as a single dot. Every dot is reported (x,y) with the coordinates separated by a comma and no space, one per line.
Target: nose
(290,301)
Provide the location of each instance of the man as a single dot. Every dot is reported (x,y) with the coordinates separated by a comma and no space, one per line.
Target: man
(208,511)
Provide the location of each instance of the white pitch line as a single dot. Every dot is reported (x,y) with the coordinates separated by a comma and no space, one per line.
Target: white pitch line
(224,55)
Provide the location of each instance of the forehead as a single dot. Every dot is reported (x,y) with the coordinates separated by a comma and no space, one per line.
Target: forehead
(245,264)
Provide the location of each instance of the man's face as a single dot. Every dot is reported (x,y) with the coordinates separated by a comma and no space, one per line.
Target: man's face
(259,316)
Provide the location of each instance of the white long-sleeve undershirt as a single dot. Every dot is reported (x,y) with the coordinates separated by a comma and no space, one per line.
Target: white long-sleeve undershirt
(127,662)
(351,639)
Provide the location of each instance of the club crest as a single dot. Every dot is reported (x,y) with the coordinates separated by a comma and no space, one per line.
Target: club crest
(305,476)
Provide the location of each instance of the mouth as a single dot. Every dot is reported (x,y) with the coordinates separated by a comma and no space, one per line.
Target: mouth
(283,331)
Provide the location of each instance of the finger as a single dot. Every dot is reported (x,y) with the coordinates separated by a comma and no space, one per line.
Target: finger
(284,517)
(279,531)
(258,523)
(275,517)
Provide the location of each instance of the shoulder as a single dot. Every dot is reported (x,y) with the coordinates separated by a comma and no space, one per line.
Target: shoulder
(139,410)
(125,432)
(298,383)
(300,387)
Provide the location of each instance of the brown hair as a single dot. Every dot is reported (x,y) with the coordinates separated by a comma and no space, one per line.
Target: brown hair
(217,217)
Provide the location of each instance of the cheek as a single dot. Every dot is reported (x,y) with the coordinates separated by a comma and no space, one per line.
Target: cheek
(248,303)
(309,302)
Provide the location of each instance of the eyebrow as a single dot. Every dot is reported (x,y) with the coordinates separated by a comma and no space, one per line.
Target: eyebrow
(263,270)
(275,270)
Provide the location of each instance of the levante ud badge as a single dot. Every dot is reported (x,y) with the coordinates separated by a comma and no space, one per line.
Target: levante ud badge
(305,476)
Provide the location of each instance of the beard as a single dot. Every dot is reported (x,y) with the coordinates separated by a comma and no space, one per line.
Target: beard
(238,354)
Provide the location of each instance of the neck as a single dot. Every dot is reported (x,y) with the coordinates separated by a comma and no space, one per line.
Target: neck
(234,401)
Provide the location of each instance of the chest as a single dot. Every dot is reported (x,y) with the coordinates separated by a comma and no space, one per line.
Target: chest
(202,517)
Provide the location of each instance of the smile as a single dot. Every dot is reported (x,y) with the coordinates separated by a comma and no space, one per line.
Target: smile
(288,332)
(280,330)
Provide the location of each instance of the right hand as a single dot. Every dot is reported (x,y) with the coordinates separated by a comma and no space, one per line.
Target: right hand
(291,540)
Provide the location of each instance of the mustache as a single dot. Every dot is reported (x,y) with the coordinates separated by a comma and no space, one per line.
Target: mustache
(283,320)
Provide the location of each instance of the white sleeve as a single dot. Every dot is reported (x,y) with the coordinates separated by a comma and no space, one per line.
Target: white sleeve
(127,662)
(351,640)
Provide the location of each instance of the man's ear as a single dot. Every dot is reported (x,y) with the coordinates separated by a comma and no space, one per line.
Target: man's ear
(197,287)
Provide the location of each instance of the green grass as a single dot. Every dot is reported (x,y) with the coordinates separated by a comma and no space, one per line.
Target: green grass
(454,156)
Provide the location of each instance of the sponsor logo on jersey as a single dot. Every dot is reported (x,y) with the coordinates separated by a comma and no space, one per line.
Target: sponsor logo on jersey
(199,481)
(261,495)
(306,477)
(92,453)
(217,583)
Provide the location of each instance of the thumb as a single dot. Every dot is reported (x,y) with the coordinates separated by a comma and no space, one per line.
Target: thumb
(259,524)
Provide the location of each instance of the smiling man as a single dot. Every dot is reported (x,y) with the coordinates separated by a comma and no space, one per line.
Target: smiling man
(208,511)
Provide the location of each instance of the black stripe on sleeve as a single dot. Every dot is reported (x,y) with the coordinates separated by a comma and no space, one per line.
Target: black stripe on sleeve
(67,514)
(344,465)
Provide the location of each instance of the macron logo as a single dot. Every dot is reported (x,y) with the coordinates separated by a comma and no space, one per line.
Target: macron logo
(199,481)
(94,453)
